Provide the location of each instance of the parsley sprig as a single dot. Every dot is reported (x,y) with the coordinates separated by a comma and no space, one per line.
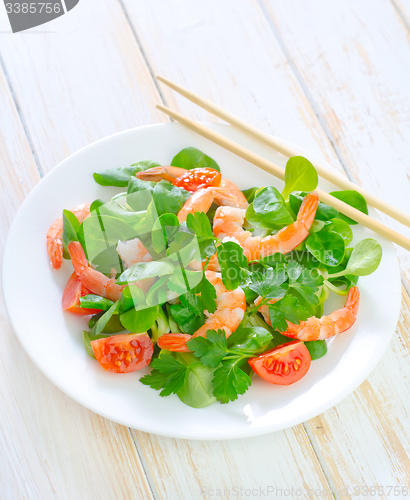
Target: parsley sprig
(228,357)
(168,374)
(293,288)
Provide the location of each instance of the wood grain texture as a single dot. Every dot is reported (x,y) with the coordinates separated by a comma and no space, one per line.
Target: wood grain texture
(403,10)
(355,59)
(80,84)
(365,440)
(226,52)
(197,469)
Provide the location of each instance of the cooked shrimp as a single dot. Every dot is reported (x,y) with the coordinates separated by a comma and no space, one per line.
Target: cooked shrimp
(95,281)
(133,251)
(55,233)
(165,172)
(239,198)
(230,309)
(201,201)
(228,222)
(322,328)
(230,195)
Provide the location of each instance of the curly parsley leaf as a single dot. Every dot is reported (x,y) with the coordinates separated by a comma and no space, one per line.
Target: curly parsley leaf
(269,283)
(168,375)
(189,314)
(288,308)
(306,282)
(211,349)
(230,380)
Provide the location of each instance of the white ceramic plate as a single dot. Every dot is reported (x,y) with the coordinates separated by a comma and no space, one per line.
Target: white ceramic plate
(53,339)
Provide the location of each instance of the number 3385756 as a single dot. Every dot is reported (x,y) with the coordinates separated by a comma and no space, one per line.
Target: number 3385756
(33,8)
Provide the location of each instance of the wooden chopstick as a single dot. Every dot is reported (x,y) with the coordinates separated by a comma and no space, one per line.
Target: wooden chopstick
(289,151)
(270,167)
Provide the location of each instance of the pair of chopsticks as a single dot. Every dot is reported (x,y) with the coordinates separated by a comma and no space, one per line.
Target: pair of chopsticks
(279,172)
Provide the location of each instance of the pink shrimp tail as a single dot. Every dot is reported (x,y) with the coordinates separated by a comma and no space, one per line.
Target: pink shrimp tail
(55,252)
(55,233)
(346,317)
(289,237)
(175,342)
(352,301)
(95,281)
(165,172)
(307,211)
(78,257)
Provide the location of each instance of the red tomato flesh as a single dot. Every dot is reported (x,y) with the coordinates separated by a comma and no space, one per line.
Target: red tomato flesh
(71,297)
(199,178)
(284,365)
(123,353)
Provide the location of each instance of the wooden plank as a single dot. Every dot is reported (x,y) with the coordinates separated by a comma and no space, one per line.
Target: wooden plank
(365,440)
(246,468)
(51,447)
(82,83)
(225,51)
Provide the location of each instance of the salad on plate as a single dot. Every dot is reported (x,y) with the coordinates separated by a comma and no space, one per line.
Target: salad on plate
(207,284)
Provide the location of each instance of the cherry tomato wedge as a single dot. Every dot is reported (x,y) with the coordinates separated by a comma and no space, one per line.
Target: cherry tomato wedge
(71,297)
(123,353)
(199,178)
(284,365)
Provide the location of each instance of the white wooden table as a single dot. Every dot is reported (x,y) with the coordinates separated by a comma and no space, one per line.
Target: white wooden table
(333,77)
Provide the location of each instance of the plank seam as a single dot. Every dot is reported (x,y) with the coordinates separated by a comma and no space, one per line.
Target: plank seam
(144,464)
(305,89)
(401,14)
(321,462)
(21,116)
(142,51)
